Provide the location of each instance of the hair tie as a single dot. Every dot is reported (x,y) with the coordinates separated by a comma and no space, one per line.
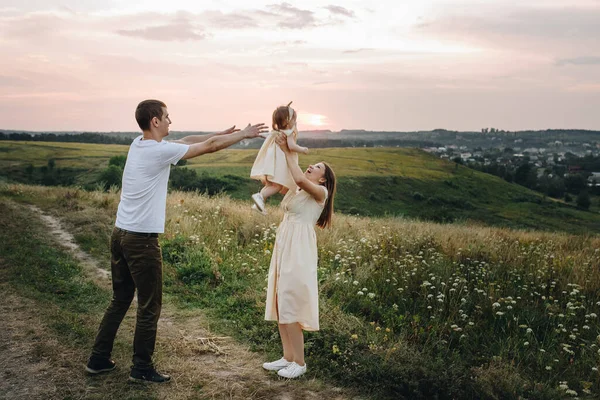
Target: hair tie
(290,111)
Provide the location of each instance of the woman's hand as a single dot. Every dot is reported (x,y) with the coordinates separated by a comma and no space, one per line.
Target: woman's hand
(281,141)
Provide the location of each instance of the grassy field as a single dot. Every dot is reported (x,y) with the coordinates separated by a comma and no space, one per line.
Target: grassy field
(53,299)
(409,310)
(371,182)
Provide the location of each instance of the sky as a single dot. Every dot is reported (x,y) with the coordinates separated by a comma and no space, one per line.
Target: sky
(382,65)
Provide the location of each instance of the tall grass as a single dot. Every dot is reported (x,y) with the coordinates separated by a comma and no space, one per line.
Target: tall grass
(408,309)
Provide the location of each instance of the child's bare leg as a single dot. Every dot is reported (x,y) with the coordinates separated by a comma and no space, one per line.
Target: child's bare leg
(270,189)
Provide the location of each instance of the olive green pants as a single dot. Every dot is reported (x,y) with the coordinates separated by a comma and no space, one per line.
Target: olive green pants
(136,263)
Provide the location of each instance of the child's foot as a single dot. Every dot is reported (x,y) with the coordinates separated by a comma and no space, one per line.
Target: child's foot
(259,201)
(254,208)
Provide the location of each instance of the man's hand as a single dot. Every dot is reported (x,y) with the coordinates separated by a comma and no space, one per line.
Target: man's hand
(228,131)
(281,141)
(252,131)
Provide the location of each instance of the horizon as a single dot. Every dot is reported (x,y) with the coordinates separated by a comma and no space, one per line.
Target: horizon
(2,130)
(73,66)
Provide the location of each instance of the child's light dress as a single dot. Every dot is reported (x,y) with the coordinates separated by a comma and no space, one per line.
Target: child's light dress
(270,164)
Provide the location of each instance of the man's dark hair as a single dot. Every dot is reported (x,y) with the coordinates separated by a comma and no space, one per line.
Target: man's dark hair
(147,110)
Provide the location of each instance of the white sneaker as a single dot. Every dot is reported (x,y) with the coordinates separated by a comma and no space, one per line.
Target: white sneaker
(292,371)
(276,365)
(259,201)
(254,208)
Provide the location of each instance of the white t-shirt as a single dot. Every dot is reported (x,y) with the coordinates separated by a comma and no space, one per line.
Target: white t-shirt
(144,190)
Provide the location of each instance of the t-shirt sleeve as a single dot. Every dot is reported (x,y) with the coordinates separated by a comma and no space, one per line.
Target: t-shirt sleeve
(172,152)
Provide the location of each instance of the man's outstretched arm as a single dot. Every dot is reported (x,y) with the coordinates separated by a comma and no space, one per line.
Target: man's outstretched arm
(219,142)
(192,139)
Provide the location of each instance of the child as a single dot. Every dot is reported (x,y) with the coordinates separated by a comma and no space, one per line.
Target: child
(270,165)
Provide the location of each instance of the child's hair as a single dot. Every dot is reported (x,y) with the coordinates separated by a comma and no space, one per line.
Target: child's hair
(325,218)
(282,118)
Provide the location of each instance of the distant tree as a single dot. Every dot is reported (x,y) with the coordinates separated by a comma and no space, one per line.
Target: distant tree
(568,198)
(29,170)
(51,164)
(526,176)
(553,187)
(183,179)
(583,200)
(118,161)
(575,183)
(111,176)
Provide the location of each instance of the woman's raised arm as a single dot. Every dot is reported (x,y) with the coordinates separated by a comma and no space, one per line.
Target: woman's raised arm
(316,191)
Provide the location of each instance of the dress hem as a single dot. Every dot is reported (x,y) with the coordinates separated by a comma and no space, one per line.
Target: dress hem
(304,327)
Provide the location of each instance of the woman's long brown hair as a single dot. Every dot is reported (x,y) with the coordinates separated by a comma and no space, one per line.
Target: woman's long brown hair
(325,218)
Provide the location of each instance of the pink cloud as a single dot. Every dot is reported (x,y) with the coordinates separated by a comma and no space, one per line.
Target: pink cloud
(180,29)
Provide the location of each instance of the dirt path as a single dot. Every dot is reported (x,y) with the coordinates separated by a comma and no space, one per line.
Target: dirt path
(27,368)
(203,365)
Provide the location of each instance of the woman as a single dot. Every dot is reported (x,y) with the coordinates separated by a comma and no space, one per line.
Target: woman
(292,294)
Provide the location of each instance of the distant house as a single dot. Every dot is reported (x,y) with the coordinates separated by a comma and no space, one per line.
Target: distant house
(465,156)
(594,179)
(574,169)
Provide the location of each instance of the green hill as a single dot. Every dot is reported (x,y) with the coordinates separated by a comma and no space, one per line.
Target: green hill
(371,181)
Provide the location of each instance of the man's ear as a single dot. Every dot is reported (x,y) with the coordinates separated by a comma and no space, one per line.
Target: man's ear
(155,122)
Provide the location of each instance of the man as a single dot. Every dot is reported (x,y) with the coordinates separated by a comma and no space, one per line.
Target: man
(136,261)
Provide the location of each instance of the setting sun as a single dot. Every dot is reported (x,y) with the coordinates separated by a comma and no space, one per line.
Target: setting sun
(311,120)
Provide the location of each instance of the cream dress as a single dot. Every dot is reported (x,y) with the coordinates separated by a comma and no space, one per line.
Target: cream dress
(270,164)
(292,292)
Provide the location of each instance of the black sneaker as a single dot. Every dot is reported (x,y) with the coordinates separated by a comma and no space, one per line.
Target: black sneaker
(148,376)
(98,365)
